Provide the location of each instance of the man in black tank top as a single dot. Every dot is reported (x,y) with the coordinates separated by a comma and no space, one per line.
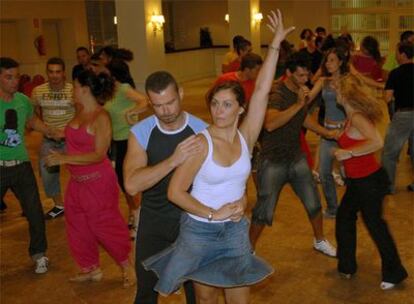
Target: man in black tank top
(156,146)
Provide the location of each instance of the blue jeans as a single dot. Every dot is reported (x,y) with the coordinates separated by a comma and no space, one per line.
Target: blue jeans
(400,130)
(271,177)
(50,179)
(326,159)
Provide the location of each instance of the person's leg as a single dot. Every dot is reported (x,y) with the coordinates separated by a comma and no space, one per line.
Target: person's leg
(398,132)
(51,177)
(83,244)
(371,209)
(238,295)
(154,234)
(345,231)
(325,173)
(270,178)
(24,186)
(206,294)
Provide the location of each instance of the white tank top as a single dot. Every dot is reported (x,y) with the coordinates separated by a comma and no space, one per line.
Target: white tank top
(216,185)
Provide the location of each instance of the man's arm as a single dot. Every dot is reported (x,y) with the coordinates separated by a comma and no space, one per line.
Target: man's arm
(138,176)
(275,119)
(311,124)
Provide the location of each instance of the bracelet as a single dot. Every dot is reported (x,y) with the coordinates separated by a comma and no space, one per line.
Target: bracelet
(210,215)
(274,48)
(350,152)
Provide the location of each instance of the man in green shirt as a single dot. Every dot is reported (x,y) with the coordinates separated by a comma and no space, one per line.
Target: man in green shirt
(16,172)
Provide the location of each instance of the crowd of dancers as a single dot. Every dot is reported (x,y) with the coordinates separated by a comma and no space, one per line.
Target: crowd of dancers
(189,177)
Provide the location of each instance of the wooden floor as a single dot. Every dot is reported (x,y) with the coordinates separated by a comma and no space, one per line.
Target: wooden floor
(302,275)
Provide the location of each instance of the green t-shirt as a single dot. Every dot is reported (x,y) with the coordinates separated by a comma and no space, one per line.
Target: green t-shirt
(117,107)
(13,117)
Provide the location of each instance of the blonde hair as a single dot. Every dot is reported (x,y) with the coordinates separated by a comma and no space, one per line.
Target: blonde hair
(358,95)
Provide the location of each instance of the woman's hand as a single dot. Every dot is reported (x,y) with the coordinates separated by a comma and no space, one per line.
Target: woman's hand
(225,211)
(276,26)
(54,158)
(342,154)
(241,205)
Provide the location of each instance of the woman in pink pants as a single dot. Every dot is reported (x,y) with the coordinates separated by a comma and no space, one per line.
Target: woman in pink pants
(91,200)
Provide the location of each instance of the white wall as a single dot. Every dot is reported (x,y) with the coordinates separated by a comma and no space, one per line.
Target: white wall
(63,24)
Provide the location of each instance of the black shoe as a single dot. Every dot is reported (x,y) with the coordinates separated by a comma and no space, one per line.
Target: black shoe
(410,187)
(54,213)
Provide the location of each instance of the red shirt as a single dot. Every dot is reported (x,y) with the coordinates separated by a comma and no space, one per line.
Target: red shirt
(248,85)
(367,66)
(357,166)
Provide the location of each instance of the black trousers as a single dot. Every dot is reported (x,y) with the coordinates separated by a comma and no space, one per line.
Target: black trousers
(21,180)
(155,233)
(366,195)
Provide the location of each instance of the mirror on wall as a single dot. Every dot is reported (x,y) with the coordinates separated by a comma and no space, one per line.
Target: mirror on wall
(194,24)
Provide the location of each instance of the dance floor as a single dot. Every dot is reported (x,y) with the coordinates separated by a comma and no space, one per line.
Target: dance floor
(302,275)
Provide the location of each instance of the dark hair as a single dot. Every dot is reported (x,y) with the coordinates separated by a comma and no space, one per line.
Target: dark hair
(407,49)
(95,57)
(115,53)
(234,86)
(237,39)
(320,29)
(250,61)
(341,53)
(159,81)
(102,86)
(371,45)
(243,44)
(120,71)
(304,31)
(56,60)
(298,59)
(405,35)
(7,63)
(82,48)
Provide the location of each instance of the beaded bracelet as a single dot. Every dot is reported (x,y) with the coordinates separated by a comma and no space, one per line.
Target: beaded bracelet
(274,48)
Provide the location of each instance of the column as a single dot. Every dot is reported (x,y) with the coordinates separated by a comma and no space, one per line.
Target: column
(242,22)
(136,33)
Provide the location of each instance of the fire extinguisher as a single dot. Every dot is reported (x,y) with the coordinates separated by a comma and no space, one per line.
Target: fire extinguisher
(39,44)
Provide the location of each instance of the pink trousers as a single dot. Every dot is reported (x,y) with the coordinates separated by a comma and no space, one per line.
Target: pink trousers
(93,218)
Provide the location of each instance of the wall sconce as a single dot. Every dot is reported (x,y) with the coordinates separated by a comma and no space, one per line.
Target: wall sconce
(157,23)
(257,17)
(227,18)
(115,20)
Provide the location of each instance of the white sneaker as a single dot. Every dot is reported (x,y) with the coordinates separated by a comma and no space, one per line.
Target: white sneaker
(41,265)
(325,247)
(387,285)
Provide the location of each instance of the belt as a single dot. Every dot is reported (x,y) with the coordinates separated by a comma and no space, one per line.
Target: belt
(334,126)
(10,163)
(405,109)
(86,177)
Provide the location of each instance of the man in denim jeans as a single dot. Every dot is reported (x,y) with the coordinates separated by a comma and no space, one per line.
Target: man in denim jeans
(16,172)
(399,87)
(53,102)
(282,160)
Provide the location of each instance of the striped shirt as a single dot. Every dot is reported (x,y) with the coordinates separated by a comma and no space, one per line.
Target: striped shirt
(56,106)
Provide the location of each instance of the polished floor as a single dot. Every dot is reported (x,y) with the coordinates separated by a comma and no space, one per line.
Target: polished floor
(302,275)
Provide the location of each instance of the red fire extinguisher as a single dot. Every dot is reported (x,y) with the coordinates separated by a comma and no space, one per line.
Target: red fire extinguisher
(40,45)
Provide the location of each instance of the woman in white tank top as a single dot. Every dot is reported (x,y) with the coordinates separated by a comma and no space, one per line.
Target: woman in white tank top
(213,248)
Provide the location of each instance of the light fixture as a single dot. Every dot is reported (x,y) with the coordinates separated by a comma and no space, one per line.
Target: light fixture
(227,18)
(115,20)
(157,22)
(257,17)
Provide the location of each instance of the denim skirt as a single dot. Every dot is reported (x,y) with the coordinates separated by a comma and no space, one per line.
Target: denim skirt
(215,254)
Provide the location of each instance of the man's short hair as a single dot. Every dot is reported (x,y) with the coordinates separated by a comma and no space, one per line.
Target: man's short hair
(298,59)
(250,61)
(7,63)
(159,81)
(407,49)
(82,48)
(405,35)
(56,60)
(320,29)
